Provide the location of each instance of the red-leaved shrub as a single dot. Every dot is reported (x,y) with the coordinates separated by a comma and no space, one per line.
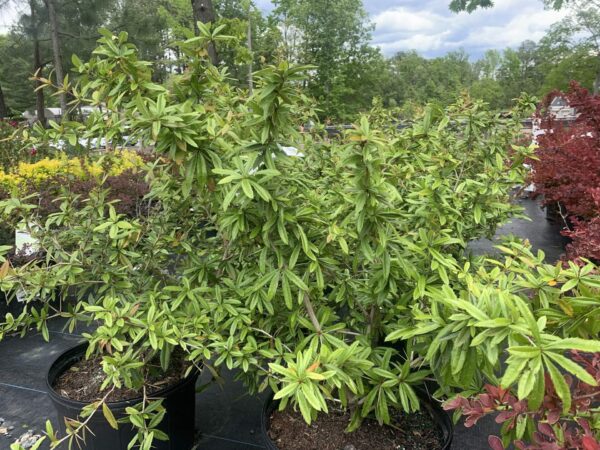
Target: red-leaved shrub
(553,429)
(567,170)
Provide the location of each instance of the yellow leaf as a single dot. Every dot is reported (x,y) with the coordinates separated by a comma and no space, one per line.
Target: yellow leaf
(109,416)
(4,269)
(552,283)
(566,307)
(357,138)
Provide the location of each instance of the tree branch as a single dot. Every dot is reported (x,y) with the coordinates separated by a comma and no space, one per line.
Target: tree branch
(311,314)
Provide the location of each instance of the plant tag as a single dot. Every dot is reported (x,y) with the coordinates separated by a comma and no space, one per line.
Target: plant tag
(24,243)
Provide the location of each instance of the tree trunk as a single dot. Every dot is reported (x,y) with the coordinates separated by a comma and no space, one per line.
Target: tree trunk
(37,68)
(4,111)
(205,12)
(58,66)
(250,68)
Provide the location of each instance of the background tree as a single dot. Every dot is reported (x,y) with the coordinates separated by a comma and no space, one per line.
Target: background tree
(14,77)
(57,52)
(4,111)
(147,25)
(583,28)
(33,25)
(334,36)
(519,71)
(204,12)
(257,38)
(330,35)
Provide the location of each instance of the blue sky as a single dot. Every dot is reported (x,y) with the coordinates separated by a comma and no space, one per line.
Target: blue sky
(430,28)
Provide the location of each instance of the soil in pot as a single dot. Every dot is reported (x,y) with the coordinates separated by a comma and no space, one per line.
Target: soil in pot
(416,431)
(83,380)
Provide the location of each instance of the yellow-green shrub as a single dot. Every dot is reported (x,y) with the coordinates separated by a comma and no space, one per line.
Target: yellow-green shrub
(27,174)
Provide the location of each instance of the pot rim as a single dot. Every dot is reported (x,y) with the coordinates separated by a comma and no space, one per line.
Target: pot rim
(438,415)
(60,365)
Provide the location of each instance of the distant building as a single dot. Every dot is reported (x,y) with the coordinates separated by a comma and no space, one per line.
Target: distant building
(560,109)
(50,113)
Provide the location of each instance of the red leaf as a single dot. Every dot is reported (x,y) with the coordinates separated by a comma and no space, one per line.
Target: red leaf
(546,429)
(553,416)
(590,443)
(504,416)
(455,403)
(495,443)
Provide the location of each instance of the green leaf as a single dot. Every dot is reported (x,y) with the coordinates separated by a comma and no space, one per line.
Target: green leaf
(583,345)
(286,391)
(273,286)
(569,285)
(287,293)
(494,323)
(76,61)
(526,384)
(247,188)
(102,226)
(304,407)
(572,367)
(536,396)
(513,371)
(560,385)
(525,351)
(296,280)
(343,245)
(311,395)
(229,197)
(528,316)
(521,425)
(477,214)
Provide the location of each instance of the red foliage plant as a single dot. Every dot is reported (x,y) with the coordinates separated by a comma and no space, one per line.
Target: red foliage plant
(567,169)
(549,428)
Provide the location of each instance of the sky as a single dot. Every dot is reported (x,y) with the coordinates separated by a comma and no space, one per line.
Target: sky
(428,27)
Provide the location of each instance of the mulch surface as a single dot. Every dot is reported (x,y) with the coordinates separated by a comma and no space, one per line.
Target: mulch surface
(415,431)
(82,381)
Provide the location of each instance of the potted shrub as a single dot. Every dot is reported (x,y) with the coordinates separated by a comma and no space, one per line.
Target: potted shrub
(291,270)
(349,239)
(544,318)
(132,383)
(133,355)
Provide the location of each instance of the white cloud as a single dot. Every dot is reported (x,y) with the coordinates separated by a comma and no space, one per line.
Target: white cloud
(429,27)
(406,20)
(8,16)
(531,23)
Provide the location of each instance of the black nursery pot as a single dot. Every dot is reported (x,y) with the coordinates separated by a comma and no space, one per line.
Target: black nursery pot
(178,422)
(439,416)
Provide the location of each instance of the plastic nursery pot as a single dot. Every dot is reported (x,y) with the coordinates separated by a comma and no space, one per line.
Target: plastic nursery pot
(439,416)
(178,422)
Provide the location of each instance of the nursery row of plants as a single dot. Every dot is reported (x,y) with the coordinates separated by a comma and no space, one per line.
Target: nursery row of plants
(339,279)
